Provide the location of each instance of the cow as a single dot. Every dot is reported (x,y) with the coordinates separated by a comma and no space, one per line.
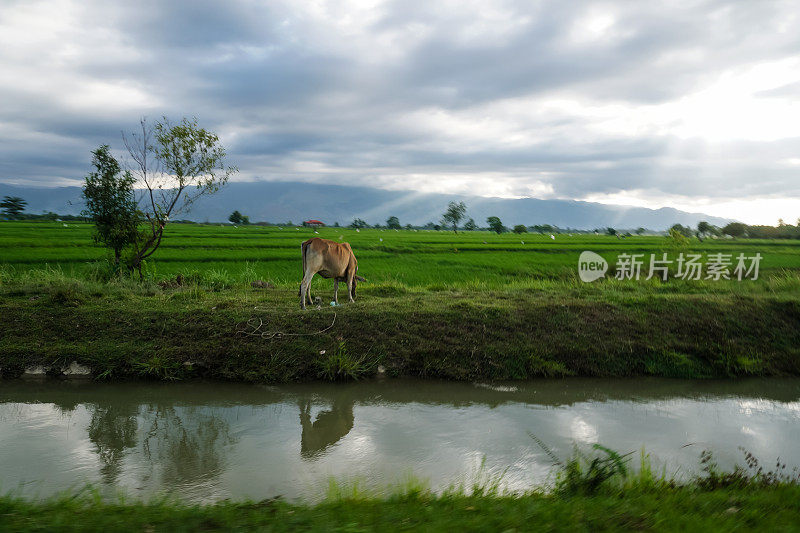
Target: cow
(329,259)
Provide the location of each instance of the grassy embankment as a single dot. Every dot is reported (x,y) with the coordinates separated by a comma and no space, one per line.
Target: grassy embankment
(460,306)
(595,494)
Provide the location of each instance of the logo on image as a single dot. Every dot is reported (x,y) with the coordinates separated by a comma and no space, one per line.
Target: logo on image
(591,267)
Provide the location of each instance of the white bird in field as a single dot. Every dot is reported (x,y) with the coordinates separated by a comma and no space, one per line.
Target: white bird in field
(358,230)
(522,242)
(553,237)
(381,239)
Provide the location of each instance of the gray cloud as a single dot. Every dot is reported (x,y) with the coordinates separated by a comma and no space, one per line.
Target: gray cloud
(573,99)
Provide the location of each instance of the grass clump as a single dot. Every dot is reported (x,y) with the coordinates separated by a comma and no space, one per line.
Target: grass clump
(341,364)
(585,476)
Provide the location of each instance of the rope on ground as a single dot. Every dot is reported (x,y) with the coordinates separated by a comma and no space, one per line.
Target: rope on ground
(254,325)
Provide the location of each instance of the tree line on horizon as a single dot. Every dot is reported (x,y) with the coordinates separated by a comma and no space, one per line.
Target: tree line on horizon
(13,208)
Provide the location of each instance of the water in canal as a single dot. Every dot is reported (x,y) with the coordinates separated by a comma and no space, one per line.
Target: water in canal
(210,441)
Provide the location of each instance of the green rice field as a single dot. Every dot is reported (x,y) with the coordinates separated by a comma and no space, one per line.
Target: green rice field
(415,259)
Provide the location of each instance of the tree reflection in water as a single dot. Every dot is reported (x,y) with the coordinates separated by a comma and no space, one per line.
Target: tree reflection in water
(187,443)
(113,429)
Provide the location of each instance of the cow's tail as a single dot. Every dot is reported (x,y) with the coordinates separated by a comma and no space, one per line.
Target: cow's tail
(303,249)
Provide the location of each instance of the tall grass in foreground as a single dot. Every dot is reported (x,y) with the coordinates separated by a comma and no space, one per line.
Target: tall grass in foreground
(600,471)
(737,500)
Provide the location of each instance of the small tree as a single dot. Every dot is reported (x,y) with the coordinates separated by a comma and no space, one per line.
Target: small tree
(734,229)
(393,223)
(470,225)
(520,228)
(111,203)
(455,212)
(640,231)
(235,218)
(611,231)
(677,238)
(178,164)
(358,224)
(245,220)
(686,231)
(13,206)
(495,225)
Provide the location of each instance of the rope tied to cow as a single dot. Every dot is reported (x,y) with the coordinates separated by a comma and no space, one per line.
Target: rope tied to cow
(253,329)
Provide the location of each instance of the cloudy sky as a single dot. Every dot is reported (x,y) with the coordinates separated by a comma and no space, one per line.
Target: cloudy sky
(690,104)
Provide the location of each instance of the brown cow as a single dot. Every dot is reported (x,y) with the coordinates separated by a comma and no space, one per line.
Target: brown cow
(329,259)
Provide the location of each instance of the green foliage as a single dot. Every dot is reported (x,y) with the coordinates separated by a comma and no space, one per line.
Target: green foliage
(470,225)
(735,229)
(192,156)
(585,476)
(455,212)
(358,224)
(683,230)
(191,164)
(235,218)
(158,366)
(111,203)
(340,364)
(496,225)
(611,231)
(677,239)
(393,223)
(412,507)
(13,206)
(544,228)
(520,228)
(752,475)
(705,229)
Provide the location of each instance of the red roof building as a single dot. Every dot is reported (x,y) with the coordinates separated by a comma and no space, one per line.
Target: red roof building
(313,223)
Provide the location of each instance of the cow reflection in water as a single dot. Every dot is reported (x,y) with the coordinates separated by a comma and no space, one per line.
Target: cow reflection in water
(329,427)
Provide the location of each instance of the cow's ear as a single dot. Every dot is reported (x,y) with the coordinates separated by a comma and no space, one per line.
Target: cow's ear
(359,278)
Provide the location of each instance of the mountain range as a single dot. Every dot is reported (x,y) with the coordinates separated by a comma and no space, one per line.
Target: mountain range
(295,201)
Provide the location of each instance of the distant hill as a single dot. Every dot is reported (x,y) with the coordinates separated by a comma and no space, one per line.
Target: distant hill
(284,201)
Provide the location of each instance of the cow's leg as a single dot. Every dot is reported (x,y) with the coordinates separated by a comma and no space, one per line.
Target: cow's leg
(336,291)
(308,291)
(351,283)
(304,289)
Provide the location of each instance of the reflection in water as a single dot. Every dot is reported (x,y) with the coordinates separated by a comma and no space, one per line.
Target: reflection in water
(187,444)
(327,429)
(208,441)
(113,429)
